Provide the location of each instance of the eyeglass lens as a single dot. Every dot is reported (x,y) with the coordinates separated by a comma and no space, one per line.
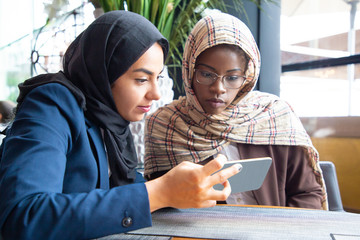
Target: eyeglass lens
(229,81)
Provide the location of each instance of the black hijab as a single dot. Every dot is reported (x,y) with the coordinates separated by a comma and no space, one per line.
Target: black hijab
(92,63)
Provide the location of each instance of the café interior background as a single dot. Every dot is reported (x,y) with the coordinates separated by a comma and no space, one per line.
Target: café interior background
(320,69)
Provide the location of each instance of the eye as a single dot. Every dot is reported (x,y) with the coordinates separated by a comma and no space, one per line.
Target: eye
(141,80)
(206,74)
(233,78)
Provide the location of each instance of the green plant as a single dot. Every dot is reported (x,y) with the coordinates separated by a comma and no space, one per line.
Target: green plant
(173,18)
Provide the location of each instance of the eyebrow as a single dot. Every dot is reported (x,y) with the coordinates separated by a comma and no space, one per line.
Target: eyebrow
(144,70)
(231,70)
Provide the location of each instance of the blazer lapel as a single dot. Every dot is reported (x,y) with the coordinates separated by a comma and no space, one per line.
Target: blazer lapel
(101,157)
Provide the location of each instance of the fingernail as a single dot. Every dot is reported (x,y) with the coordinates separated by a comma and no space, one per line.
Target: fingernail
(238,166)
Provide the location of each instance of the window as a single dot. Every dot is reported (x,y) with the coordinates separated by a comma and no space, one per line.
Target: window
(320,55)
(36,47)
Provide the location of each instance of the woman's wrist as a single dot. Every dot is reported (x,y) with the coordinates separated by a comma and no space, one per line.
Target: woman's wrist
(156,193)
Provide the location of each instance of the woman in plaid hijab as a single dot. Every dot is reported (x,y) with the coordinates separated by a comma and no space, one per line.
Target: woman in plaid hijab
(228,117)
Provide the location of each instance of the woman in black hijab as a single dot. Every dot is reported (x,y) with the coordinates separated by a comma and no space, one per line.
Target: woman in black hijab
(67,165)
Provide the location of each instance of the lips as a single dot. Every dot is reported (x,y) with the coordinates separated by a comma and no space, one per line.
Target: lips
(145,109)
(216,102)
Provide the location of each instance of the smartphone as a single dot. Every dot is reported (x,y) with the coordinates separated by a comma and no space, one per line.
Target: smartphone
(251,175)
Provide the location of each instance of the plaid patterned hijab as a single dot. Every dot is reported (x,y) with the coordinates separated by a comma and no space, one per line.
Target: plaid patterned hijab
(182,131)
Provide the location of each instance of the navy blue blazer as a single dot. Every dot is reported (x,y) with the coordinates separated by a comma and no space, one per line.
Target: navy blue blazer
(54,181)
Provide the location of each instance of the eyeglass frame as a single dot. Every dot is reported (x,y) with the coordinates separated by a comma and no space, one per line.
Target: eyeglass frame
(217,77)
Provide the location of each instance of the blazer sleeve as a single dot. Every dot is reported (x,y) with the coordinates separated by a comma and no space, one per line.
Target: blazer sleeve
(32,169)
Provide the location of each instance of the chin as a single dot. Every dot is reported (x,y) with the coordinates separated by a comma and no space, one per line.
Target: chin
(214,112)
(137,118)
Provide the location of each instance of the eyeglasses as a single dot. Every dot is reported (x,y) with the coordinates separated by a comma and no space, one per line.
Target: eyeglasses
(229,81)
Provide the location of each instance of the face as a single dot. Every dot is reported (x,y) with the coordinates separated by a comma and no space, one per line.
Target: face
(222,60)
(134,91)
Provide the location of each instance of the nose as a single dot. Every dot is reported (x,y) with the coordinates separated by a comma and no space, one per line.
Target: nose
(154,91)
(218,86)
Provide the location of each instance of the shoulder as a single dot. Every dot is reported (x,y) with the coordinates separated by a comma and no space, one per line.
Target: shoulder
(270,104)
(52,95)
(55,91)
(171,110)
(53,105)
(171,116)
(263,98)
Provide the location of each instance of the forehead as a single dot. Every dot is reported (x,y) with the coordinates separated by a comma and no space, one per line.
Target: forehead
(226,48)
(220,55)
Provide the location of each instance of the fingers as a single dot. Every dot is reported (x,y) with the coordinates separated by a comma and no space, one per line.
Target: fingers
(221,195)
(214,165)
(222,176)
(212,168)
(193,184)
(214,176)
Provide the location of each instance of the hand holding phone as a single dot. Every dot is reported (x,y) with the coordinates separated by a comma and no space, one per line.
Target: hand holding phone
(250,177)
